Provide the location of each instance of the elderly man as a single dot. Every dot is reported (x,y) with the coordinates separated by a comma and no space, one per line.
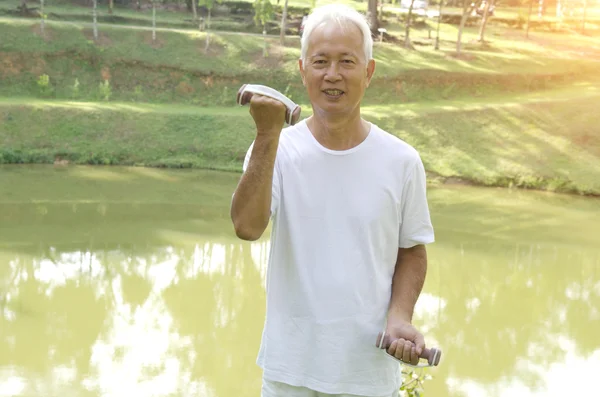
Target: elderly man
(350,219)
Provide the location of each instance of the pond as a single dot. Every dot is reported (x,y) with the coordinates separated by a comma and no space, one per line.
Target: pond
(130,281)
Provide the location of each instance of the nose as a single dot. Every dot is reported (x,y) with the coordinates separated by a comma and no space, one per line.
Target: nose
(333,73)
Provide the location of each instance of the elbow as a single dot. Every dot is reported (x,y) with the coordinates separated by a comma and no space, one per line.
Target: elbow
(247,235)
(244,232)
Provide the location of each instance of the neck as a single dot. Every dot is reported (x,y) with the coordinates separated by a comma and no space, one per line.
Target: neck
(335,132)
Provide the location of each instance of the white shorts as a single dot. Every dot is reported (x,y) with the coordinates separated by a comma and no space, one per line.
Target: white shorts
(277,389)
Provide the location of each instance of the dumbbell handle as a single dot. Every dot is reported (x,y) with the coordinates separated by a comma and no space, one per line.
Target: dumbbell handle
(292,114)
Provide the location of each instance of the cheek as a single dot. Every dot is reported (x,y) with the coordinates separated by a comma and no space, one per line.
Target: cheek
(313,80)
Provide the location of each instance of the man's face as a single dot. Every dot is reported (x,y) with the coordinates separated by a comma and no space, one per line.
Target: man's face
(336,73)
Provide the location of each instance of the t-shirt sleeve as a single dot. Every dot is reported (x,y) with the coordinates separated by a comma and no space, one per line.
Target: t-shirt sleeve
(415,227)
(275,189)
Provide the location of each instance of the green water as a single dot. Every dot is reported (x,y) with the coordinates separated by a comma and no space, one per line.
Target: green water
(130,282)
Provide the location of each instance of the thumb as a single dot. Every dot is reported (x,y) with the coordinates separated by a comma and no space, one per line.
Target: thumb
(419,343)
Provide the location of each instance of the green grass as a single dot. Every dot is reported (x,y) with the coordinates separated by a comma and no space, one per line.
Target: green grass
(534,141)
(185,50)
(177,69)
(90,133)
(510,112)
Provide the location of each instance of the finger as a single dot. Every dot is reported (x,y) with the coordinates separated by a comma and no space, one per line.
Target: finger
(419,344)
(407,348)
(393,348)
(255,97)
(414,357)
(399,351)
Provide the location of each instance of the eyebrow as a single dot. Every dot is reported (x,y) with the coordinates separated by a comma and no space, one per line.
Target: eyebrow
(323,54)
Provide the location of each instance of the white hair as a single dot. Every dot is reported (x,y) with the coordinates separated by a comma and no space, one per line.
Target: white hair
(337,13)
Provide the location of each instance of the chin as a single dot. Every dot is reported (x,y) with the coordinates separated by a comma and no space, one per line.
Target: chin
(329,109)
(334,107)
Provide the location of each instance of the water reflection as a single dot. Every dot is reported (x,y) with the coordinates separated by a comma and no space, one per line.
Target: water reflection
(161,300)
(177,321)
(511,317)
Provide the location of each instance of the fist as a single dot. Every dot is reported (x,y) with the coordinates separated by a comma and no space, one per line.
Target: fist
(268,114)
(403,341)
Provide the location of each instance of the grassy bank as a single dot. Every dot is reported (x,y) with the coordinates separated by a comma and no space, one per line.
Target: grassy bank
(544,142)
(176,69)
(507,112)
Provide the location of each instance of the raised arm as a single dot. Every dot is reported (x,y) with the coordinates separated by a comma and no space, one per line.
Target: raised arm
(251,203)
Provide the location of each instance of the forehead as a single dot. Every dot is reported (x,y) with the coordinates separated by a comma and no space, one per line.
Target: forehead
(336,38)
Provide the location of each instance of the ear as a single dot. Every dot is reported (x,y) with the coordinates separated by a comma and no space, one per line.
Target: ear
(301,68)
(370,70)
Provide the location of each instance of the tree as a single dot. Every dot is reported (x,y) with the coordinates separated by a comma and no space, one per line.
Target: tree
(208,4)
(153,20)
(263,14)
(42,18)
(467,10)
(283,21)
(529,18)
(407,43)
(484,19)
(194,10)
(95,18)
(372,12)
(439,21)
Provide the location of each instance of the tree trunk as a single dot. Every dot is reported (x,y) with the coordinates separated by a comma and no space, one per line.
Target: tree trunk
(111,5)
(43,19)
(484,21)
(540,9)
(265,41)
(465,14)
(283,23)
(408,21)
(529,19)
(439,21)
(195,10)
(95,19)
(208,19)
(153,21)
(373,21)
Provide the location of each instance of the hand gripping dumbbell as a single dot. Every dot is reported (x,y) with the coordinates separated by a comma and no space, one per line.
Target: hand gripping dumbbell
(292,113)
(432,355)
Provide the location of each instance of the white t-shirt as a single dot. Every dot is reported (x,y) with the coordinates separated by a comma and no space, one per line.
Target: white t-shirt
(338,218)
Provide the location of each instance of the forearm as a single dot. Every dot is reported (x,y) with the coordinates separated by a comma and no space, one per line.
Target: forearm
(251,203)
(407,282)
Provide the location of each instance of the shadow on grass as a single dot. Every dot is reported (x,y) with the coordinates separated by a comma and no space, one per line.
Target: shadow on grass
(528,145)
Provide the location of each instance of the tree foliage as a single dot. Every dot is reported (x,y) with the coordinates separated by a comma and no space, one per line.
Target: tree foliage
(263,12)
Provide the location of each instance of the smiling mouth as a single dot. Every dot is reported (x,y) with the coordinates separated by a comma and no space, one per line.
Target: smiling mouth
(333,93)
